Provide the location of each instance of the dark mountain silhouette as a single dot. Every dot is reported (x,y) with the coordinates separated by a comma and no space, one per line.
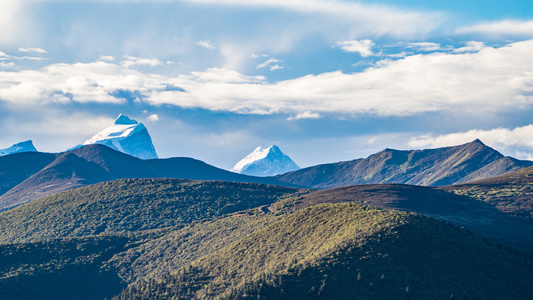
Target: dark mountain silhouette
(46,174)
(430,167)
(16,168)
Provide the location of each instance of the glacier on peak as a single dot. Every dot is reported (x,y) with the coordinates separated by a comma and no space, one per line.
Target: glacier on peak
(265,162)
(26,146)
(128,136)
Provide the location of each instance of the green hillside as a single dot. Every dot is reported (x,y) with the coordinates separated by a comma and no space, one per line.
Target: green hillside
(60,269)
(164,237)
(131,205)
(345,251)
(511,193)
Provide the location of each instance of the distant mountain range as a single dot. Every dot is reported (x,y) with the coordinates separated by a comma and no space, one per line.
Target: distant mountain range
(28,176)
(31,175)
(430,167)
(265,162)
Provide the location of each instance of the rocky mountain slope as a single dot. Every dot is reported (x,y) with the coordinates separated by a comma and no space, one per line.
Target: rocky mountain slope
(430,167)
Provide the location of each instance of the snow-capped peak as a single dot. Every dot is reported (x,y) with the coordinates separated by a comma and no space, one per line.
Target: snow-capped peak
(128,136)
(26,146)
(124,120)
(265,162)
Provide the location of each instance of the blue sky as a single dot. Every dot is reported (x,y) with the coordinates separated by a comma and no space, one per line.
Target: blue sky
(324,80)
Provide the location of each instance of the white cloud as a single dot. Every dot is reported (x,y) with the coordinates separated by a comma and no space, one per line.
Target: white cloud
(11,17)
(137,61)
(8,65)
(425,46)
(500,29)
(304,115)
(471,46)
(363,47)
(106,58)
(36,50)
(31,58)
(276,67)
(206,44)
(153,118)
(270,62)
(492,80)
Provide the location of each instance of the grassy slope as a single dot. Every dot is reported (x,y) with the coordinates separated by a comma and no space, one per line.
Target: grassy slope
(130,205)
(153,226)
(510,193)
(480,217)
(340,251)
(156,237)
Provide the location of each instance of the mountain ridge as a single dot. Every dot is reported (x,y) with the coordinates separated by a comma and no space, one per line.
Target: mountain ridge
(428,167)
(96,163)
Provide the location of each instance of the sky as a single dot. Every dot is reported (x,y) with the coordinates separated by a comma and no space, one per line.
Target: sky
(324,80)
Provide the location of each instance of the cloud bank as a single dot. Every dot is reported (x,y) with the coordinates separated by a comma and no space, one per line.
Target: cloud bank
(491,80)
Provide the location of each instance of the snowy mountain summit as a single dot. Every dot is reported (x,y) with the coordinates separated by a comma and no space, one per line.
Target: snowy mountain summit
(26,146)
(265,162)
(128,136)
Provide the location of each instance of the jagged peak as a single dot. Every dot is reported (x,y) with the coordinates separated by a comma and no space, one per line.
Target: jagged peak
(265,162)
(125,120)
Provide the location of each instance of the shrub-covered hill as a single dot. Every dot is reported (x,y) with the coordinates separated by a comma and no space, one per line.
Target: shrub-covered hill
(511,193)
(129,205)
(482,218)
(60,269)
(349,251)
